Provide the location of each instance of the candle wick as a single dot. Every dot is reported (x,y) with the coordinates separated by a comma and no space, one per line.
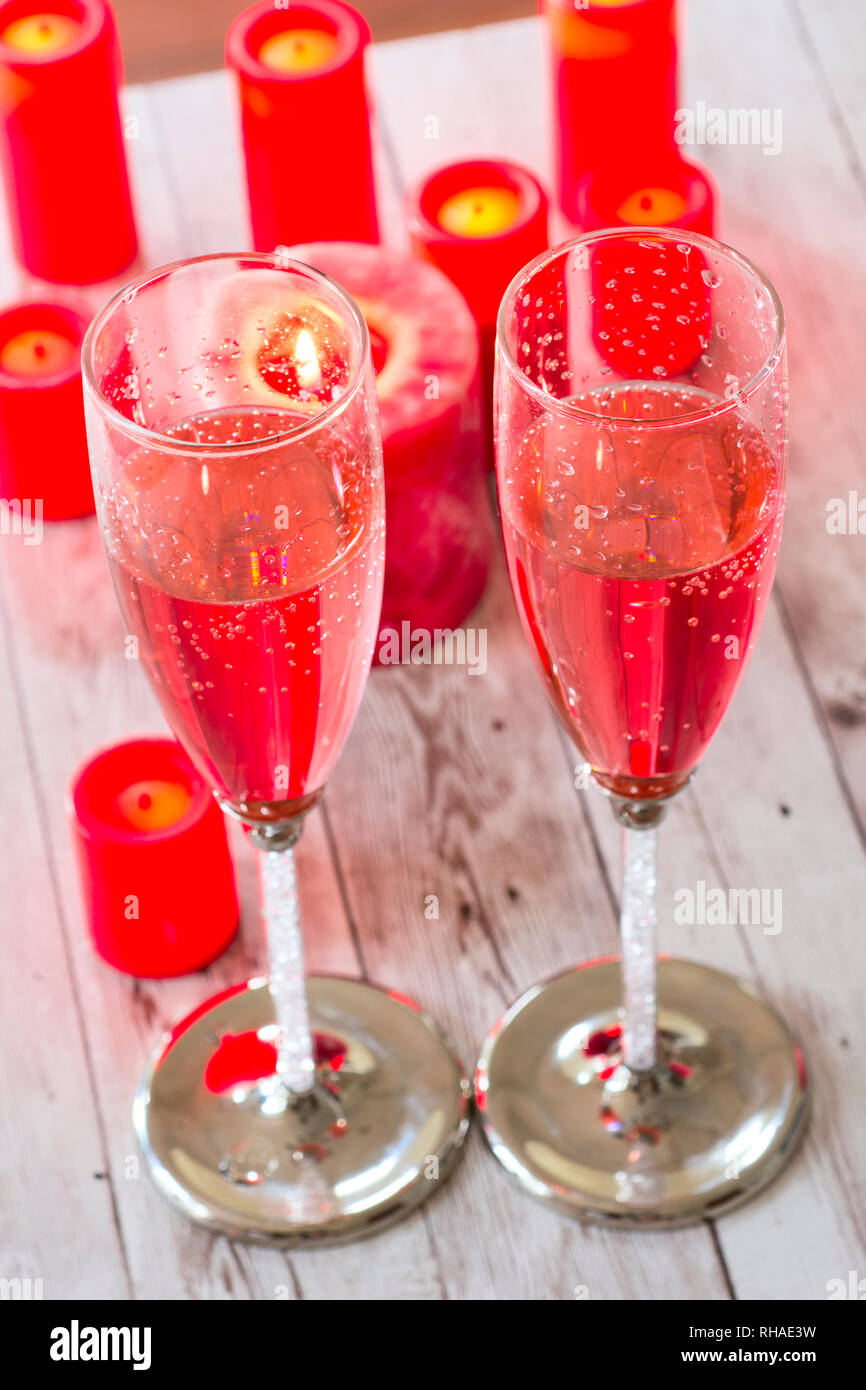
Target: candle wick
(39,350)
(144,802)
(646,203)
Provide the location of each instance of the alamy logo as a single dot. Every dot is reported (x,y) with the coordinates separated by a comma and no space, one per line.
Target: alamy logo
(77,1343)
(714,125)
(846,516)
(713,907)
(421,646)
(21,516)
(20,1289)
(853,1287)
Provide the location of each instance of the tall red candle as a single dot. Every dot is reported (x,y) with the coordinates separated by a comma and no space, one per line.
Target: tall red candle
(43,449)
(305,122)
(479,221)
(614,70)
(156,875)
(61,145)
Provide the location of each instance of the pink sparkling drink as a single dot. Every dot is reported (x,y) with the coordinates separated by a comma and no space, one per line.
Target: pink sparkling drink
(642,562)
(254,596)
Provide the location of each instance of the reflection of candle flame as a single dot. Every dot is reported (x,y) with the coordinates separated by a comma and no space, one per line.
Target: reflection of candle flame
(205,479)
(255,568)
(307,361)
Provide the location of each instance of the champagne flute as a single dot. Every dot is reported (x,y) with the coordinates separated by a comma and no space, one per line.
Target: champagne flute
(640,454)
(237,464)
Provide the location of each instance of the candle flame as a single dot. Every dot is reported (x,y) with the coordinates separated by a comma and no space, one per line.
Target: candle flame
(309,372)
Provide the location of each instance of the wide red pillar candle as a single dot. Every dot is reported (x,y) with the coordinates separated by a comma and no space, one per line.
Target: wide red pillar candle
(305,122)
(424,342)
(156,876)
(61,144)
(43,448)
(480,221)
(614,74)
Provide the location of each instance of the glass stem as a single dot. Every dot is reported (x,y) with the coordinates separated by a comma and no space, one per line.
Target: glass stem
(638,927)
(281,917)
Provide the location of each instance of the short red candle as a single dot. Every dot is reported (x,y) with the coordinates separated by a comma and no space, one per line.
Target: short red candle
(425,352)
(43,448)
(305,122)
(671,193)
(61,145)
(614,68)
(481,262)
(156,875)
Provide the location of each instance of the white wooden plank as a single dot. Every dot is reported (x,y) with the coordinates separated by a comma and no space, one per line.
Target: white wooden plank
(743,824)
(52,1148)
(834,34)
(457,95)
(800,214)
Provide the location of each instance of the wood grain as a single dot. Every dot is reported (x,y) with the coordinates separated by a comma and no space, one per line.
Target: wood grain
(460,786)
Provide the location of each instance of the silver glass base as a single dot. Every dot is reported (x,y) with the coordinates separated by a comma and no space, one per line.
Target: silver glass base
(711,1126)
(378,1134)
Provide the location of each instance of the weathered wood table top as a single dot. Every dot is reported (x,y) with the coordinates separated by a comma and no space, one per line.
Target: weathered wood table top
(462,787)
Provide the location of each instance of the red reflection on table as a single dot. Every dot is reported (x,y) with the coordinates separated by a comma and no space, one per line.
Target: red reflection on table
(305,122)
(239,1058)
(61,143)
(242,1058)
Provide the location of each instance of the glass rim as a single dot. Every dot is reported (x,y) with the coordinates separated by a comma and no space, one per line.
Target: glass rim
(195,448)
(666,234)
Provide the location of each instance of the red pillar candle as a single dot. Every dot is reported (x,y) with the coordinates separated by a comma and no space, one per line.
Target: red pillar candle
(425,353)
(61,147)
(43,449)
(614,69)
(629,332)
(671,193)
(479,221)
(651,314)
(156,875)
(305,122)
